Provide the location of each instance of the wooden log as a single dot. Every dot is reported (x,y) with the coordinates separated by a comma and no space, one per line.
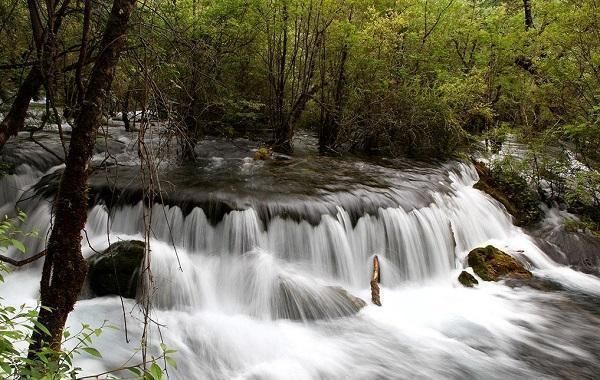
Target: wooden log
(375,278)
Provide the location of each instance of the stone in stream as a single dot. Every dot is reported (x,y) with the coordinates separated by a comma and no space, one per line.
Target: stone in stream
(300,303)
(491,264)
(115,271)
(467,279)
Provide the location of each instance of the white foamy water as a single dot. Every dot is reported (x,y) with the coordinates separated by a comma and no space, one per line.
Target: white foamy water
(226,291)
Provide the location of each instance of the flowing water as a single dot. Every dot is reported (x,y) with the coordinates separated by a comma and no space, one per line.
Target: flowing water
(250,260)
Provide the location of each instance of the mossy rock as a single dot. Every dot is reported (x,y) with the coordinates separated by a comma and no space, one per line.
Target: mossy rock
(262,154)
(491,264)
(467,279)
(7,168)
(513,192)
(116,270)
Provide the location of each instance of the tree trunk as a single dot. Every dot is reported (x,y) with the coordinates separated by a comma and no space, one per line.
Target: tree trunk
(528,16)
(329,132)
(15,119)
(283,137)
(125,110)
(65,268)
(330,128)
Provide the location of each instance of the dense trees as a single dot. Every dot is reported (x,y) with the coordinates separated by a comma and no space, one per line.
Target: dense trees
(396,77)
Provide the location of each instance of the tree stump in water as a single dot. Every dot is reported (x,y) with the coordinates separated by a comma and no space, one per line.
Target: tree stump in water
(375,278)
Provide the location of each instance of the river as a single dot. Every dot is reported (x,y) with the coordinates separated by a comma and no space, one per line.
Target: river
(245,255)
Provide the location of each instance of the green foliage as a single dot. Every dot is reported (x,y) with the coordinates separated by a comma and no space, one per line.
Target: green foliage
(586,225)
(403,77)
(504,182)
(585,188)
(12,236)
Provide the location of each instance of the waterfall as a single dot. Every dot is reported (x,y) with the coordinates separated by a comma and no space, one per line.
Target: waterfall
(262,292)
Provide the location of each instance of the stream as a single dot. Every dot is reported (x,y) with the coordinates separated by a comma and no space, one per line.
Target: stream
(245,254)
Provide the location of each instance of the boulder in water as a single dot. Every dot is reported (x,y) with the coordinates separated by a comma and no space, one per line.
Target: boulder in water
(296,302)
(491,264)
(115,271)
(357,303)
(467,279)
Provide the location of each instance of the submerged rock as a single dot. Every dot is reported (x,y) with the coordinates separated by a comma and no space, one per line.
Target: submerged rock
(467,279)
(298,303)
(115,271)
(491,264)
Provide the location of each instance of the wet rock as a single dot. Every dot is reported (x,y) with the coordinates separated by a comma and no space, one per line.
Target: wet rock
(579,250)
(467,279)
(328,302)
(116,270)
(357,303)
(491,264)
(262,154)
(512,191)
(537,283)
(7,168)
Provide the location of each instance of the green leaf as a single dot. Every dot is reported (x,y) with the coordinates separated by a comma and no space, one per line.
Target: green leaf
(135,370)
(42,328)
(5,368)
(155,371)
(18,245)
(92,351)
(171,362)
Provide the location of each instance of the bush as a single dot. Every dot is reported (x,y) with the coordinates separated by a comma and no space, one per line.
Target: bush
(512,190)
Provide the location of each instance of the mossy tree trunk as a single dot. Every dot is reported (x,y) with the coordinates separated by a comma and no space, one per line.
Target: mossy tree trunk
(65,268)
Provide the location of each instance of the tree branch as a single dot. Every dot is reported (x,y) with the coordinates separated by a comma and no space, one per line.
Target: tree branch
(20,263)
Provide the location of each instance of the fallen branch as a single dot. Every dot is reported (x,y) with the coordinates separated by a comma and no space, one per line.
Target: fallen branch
(20,263)
(375,278)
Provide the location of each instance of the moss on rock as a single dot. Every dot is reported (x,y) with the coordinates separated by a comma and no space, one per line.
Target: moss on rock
(491,264)
(116,270)
(7,168)
(513,192)
(262,154)
(467,279)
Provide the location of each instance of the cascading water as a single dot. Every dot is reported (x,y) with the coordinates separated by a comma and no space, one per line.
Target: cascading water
(261,290)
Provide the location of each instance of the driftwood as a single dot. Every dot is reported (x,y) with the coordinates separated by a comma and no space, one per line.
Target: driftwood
(375,278)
